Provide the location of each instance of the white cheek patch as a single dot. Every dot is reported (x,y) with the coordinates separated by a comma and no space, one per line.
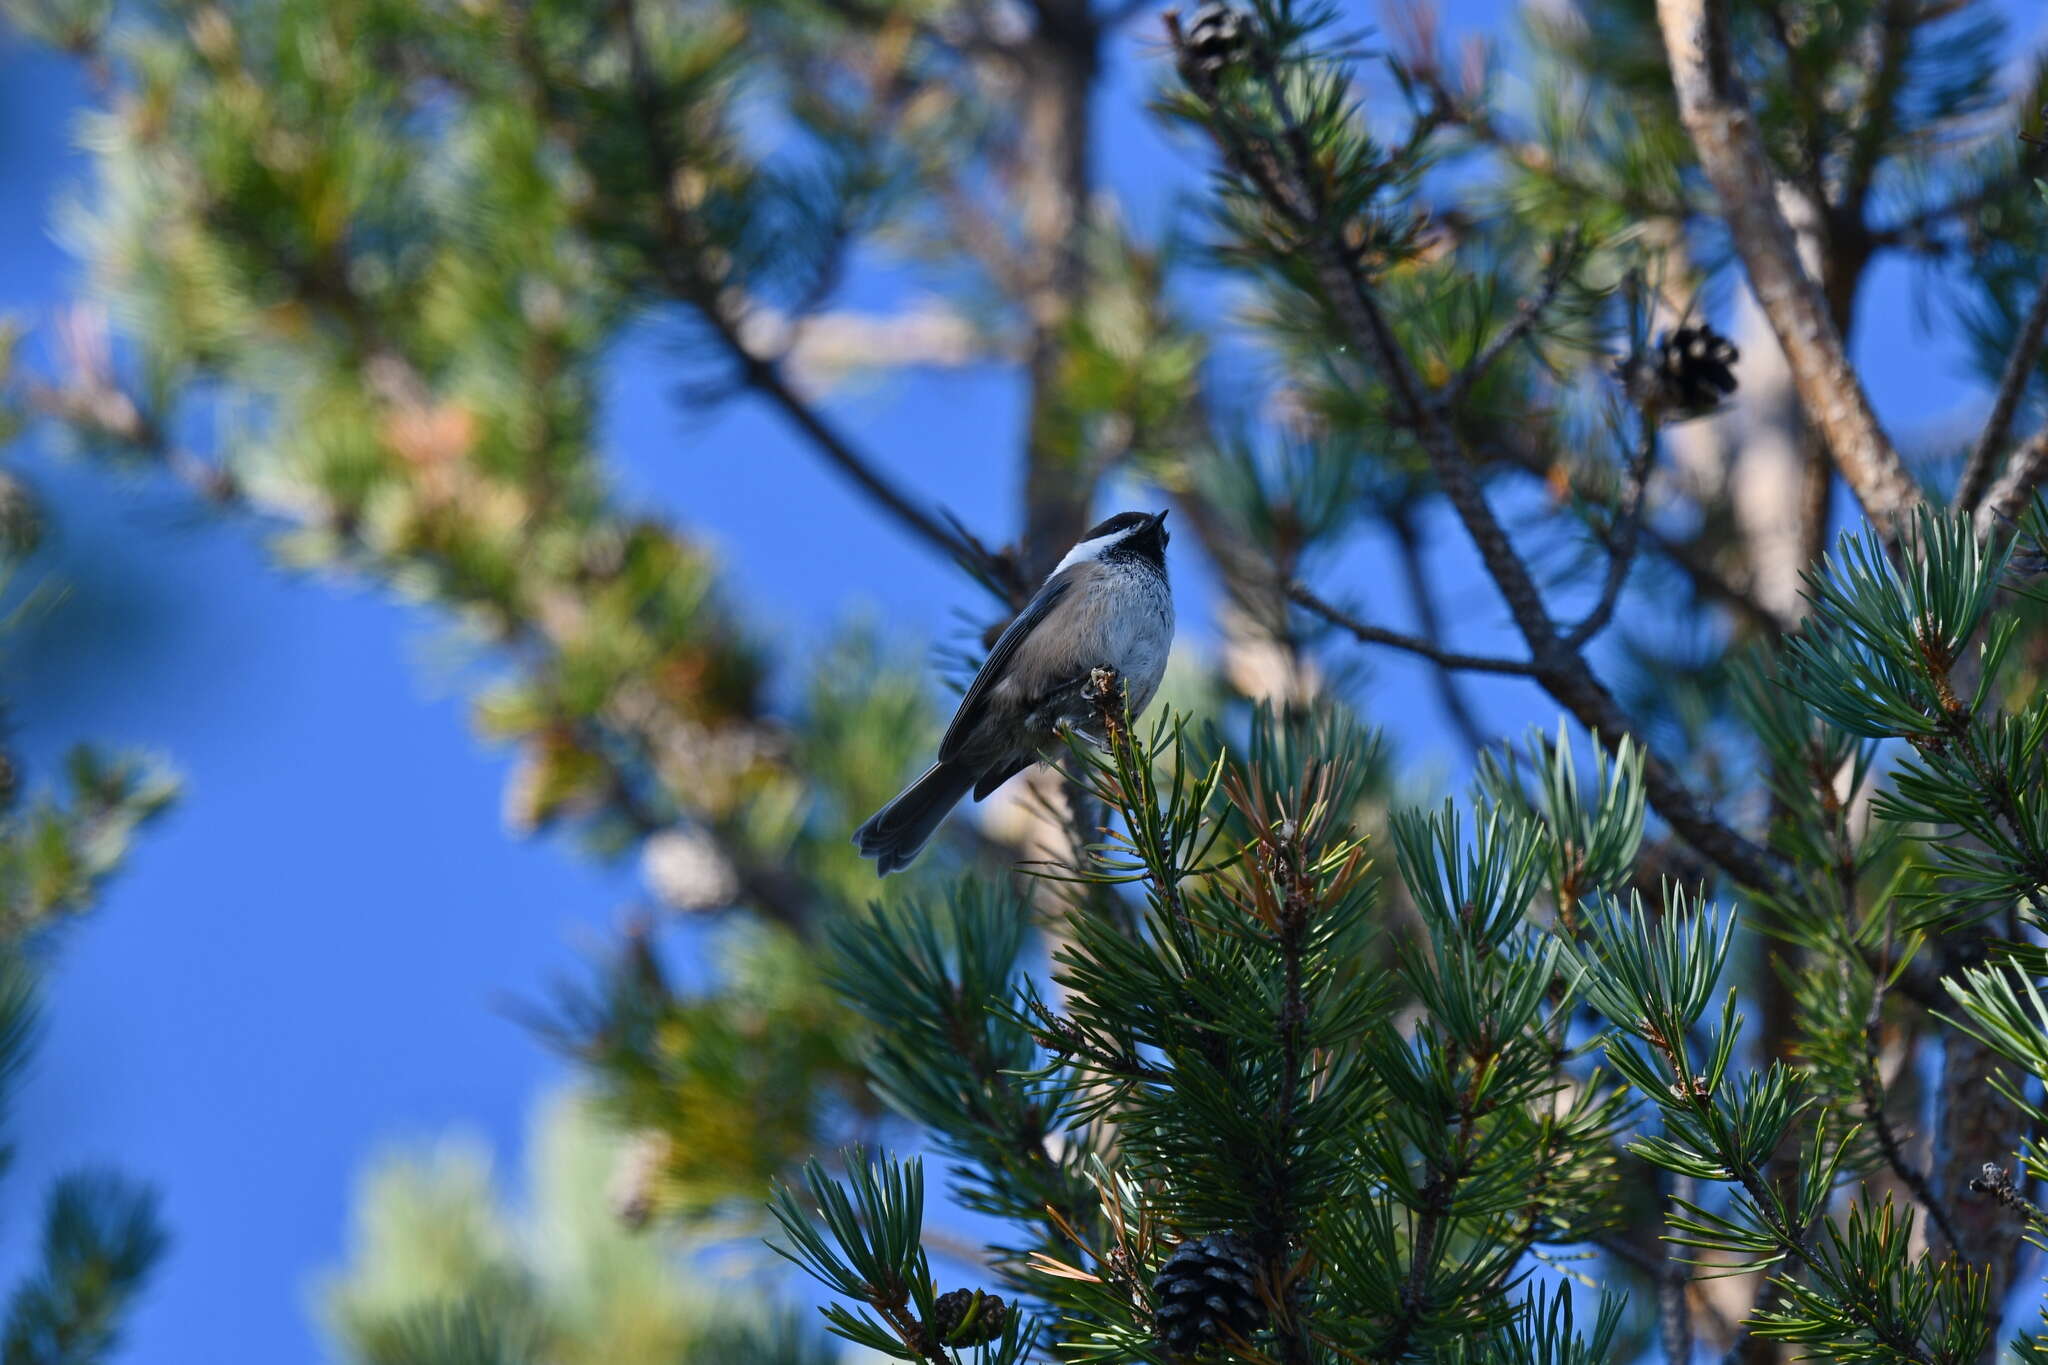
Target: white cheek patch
(1091,549)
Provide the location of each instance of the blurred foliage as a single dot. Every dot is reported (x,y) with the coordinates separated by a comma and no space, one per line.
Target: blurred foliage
(100,1235)
(738,1081)
(441,1273)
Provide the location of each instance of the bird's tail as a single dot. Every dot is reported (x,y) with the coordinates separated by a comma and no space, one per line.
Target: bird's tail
(896,833)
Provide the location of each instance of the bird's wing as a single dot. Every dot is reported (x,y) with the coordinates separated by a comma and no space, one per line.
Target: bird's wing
(997,666)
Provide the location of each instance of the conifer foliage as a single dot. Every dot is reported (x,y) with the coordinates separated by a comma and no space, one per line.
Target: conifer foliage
(1723,1000)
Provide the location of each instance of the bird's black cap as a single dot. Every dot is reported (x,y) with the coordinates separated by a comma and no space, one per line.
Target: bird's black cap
(1148,542)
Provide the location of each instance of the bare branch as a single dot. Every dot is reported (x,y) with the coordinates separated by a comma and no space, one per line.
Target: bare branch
(1413,644)
(2012,386)
(1716,113)
(1625,534)
(1422,600)
(1691,558)
(1911,1176)
(2015,488)
(768,379)
(1531,312)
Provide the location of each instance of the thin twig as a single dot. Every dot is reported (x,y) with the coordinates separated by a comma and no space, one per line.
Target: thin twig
(1422,601)
(2012,386)
(1690,557)
(1793,1237)
(1413,644)
(1621,544)
(1531,312)
(1911,1176)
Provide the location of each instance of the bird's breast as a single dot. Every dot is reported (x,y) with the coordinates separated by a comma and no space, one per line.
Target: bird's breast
(1126,623)
(1111,616)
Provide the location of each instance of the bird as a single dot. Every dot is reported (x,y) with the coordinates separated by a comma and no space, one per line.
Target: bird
(1105,605)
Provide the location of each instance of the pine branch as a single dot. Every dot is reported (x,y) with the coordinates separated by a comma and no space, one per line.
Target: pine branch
(1794,1239)
(1413,644)
(644,723)
(1437,1195)
(1293,926)
(101,1239)
(1689,557)
(2012,387)
(1287,177)
(1716,115)
(678,268)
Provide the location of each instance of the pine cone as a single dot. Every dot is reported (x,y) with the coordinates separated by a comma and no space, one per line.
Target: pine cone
(1206,1288)
(1689,372)
(1215,38)
(968,1317)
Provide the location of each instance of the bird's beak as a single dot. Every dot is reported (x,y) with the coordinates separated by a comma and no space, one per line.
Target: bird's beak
(1159,518)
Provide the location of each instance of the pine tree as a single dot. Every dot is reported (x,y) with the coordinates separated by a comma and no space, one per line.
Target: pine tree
(1726,996)
(98,1232)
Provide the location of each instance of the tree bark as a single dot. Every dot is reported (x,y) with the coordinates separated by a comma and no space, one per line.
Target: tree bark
(1975,1127)
(1723,131)
(1055,180)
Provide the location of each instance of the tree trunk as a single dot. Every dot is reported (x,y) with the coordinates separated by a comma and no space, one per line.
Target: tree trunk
(1054,184)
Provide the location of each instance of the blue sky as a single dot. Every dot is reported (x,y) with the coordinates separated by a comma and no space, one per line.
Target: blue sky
(311,956)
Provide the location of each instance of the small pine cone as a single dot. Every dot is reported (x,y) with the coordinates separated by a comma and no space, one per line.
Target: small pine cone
(1206,1288)
(1697,364)
(1689,372)
(1215,38)
(968,1317)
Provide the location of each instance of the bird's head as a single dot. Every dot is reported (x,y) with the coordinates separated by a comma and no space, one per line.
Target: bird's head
(1127,535)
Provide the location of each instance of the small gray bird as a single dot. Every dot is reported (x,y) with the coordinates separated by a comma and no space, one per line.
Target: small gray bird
(1106,605)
